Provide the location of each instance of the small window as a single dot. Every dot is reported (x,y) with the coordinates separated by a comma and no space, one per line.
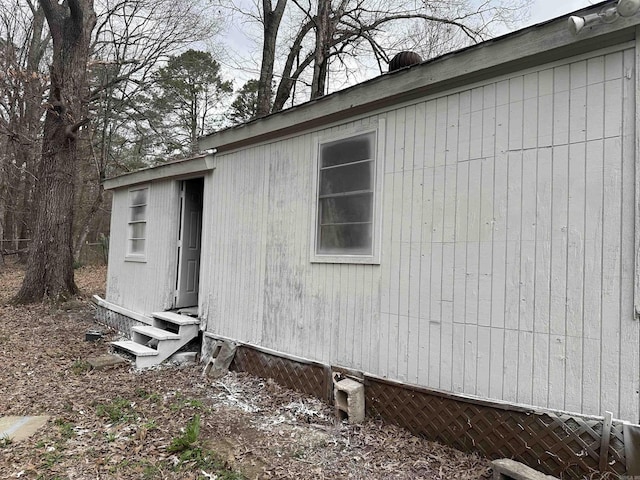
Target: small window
(346,203)
(137,229)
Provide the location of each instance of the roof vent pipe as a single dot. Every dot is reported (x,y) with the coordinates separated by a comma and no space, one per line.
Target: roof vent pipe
(405,59)
(628,8)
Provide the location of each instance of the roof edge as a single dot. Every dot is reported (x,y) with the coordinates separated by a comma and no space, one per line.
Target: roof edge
(183,168)
(542,43)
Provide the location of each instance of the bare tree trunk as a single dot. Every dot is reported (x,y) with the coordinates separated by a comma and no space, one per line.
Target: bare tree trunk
(86,223)
(321,56)
(26,217)
(49,272)
(3,193)
(23,127)
(33,97)
(289,76)
(272,18)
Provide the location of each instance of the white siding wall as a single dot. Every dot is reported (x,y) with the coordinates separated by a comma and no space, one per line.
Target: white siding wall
(507,254)
(149,286)
(260,286)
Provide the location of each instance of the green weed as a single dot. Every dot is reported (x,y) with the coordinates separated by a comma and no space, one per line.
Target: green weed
(150,425)
(206,460)
(119,410)
(146,395)
(66,428)
(182,402)
(188,438)
(191,454)
(51,458)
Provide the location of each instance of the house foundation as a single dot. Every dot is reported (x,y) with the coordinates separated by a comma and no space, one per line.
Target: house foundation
(556,443)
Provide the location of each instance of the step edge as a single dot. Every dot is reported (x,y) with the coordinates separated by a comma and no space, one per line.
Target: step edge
(139,350)
(156,333)
(176,318)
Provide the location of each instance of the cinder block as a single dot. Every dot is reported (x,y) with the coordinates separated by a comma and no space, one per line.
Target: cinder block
(349,398)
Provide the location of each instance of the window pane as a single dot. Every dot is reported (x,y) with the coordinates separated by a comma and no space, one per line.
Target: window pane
(136,246)
(139,197)
(349,178)
(348,150)
(138,213)
(138,230)
(345,239)
(351,208)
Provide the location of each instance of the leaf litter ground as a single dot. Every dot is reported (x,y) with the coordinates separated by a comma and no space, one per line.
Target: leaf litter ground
(120,423)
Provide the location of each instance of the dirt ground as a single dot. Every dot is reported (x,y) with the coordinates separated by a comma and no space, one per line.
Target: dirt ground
(173,423)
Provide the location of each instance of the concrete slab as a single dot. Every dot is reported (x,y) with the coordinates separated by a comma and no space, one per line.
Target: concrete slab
(105,361)
(21,428)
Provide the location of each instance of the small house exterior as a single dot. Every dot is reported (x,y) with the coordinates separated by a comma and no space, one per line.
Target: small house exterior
(460,235)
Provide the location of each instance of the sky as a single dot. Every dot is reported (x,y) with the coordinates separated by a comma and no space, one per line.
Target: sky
(542,10)
(237,43)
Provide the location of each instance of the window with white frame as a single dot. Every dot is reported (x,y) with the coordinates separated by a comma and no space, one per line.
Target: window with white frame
(346,199)
(137,228)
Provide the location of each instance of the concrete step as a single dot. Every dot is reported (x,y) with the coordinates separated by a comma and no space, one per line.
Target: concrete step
(157,333)
(175,318)
(135,348)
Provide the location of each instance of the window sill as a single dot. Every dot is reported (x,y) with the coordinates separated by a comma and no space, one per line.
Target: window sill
(348,259)
(136,258)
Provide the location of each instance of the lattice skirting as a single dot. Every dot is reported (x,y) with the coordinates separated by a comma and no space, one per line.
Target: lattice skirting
(559,444)
(567,446)
(307,377)
(563,445)
(115,320)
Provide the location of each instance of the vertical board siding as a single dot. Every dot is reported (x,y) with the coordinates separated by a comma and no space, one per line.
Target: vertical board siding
(507,245)
(261,287)
(527,211)
(129,283)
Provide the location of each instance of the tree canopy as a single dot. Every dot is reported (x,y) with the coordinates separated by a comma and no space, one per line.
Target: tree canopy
(245,105)
(189,96)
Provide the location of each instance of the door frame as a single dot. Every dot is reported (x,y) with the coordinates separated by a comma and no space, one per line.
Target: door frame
(195,186)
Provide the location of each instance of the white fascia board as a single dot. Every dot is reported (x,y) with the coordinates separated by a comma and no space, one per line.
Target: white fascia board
(183,168)
(536,45)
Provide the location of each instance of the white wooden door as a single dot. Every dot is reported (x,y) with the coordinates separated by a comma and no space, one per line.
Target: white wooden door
(189,243)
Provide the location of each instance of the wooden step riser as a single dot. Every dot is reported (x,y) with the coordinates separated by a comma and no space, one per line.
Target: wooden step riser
(187,328)
(141,362)
(165,348)
(174,318)
(182,330)
(159,345)
(147,362)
